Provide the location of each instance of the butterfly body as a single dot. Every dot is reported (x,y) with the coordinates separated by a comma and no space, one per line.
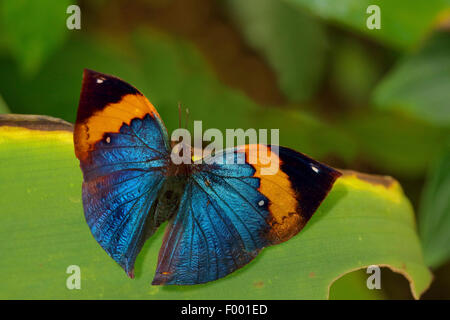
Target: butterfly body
(169,198)
(221,213)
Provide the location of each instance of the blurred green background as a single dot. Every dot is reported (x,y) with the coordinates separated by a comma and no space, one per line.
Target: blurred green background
(376,101)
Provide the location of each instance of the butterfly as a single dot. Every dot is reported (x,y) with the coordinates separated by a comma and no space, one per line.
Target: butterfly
(220,215)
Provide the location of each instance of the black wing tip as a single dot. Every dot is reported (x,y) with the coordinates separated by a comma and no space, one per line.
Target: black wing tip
(290,156)
(98,90)
(89,72)
(92,75)
(311,179)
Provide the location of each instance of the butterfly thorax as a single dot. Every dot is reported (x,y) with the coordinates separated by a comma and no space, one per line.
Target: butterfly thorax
(188,165)
(178,170)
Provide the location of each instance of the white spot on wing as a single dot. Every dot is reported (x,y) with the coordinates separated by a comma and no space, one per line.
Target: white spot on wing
(261,203)
(315,169)
(108,139)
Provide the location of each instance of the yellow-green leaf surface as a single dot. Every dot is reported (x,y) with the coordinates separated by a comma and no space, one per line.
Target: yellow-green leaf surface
(365,220)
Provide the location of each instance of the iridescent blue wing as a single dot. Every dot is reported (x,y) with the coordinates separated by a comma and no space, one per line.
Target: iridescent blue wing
(123,150)
(229,212)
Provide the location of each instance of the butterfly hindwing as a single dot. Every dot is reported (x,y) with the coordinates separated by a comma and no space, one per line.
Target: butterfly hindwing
(123,150)
(230,211)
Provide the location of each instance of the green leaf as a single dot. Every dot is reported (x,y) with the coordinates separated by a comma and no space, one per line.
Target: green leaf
(32,30)
(403,22)
(434,218)
(420,85)
(365,220)
(293,42)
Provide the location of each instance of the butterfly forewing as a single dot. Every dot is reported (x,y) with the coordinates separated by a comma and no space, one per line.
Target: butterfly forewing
(123,151)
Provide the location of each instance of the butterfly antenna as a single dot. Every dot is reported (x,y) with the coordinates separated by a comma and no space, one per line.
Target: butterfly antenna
(179,114)
(187,117)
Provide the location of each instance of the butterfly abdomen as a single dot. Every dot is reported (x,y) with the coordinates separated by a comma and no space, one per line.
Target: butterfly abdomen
(169,199)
